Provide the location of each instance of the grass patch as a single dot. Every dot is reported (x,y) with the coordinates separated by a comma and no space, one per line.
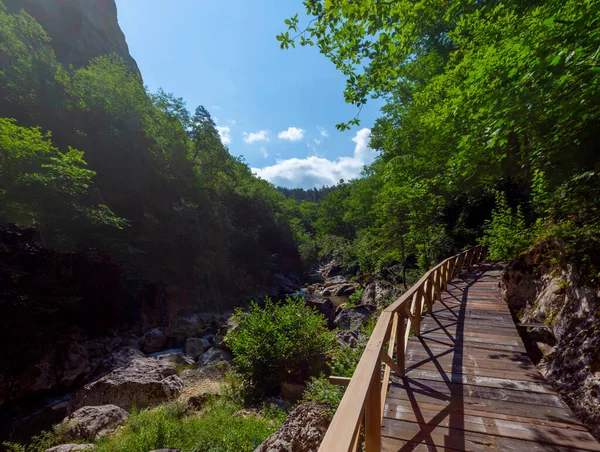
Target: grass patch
(180,367)
(220,428)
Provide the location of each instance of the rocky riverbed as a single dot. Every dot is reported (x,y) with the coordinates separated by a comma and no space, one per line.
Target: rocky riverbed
(124,371)
(94,382)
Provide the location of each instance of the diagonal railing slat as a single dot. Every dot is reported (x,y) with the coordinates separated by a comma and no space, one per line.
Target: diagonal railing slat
(360,413)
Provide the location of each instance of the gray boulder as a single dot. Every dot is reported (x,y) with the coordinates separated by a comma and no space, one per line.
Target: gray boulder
(71,448)
(214,355)
(302,431)
(375,293)
(323,305)
(352,318)
(176,358)
(283,284)
(91,422)
(121,358)
(194,347)
(219,339)
(339,279)
(141,383)
(153,341)
(340,290)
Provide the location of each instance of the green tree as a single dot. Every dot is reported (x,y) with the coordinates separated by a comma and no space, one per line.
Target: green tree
(43,187)
(506,233)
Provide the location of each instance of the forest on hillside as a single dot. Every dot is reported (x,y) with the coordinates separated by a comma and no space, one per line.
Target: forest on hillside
(119,208)
(93,161)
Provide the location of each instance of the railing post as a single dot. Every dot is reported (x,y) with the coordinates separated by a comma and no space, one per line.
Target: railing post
(400,343)
(373,414)
(459,263)
(450,272)
(437,285)
(469,259)
(428,295)
(443,276)
(417,310)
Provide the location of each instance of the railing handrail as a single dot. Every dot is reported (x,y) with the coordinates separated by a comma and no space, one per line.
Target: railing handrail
(366,392)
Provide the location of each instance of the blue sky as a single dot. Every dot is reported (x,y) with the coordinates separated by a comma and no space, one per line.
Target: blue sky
(277,108)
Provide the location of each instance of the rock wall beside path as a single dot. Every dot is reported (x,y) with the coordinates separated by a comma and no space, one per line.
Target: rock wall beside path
(566,344)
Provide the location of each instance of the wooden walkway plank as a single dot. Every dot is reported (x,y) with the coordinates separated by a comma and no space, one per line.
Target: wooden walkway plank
(469,384)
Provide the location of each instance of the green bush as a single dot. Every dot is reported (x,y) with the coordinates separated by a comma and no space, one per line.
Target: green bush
(39,443)
(346,358)
(354,299)
(279,342)
(219,429)
(319,390)
(506,234)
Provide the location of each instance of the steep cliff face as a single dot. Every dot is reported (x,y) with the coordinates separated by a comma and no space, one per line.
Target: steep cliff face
(566,342)
(80,29)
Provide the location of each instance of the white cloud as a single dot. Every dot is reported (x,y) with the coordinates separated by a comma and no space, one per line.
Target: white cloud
(315,171)
(233,122)
(261,135)
(291,134)
(225,134)
(264,152)
(361,139)
(216,107)
(323,131)
(317,142)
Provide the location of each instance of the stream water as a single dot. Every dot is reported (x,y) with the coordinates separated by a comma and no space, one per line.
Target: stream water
(336,300)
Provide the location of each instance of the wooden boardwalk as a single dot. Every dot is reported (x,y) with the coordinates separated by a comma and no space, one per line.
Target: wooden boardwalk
(470,385)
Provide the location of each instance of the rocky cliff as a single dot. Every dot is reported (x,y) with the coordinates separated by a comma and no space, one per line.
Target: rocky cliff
(563,309)
(80,29)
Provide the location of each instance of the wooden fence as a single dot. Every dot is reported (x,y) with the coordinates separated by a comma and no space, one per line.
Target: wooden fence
(364,400)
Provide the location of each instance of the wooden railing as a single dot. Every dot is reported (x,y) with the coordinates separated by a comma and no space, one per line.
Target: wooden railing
(364,400)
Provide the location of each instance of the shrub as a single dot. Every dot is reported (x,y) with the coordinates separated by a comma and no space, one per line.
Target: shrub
(319,390)
(506,234)
(220,429)
(39,443)
(345,358)
(279,342)
(354,299)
